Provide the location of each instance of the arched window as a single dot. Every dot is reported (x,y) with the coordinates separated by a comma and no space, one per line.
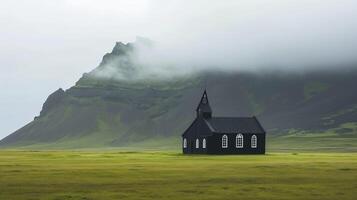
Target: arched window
(184,143)
(254,141)
(239,141)
(204,143)
(224,141)
(197,143)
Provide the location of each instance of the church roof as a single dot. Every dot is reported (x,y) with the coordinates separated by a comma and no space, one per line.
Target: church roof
(234,125)
(206,124)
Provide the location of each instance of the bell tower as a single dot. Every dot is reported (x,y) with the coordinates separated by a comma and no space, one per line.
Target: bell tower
(204,109)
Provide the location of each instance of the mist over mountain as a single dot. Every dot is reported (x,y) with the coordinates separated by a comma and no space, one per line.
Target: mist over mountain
(125,102)
(147,59)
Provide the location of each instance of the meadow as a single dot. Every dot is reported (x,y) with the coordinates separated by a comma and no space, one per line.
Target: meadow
(120,174)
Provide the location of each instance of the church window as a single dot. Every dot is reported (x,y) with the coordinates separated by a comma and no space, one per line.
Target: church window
(239,141)
(204,143)
(197,143)
(184,143)
(254,141)
(224,141)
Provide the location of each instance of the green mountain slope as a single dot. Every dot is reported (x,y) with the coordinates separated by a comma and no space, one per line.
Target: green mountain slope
(104,111)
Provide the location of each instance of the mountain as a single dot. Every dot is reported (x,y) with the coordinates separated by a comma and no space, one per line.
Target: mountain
(109,107)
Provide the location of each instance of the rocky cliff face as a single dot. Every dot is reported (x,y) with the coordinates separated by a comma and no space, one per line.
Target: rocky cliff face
(52,101)
(102,110)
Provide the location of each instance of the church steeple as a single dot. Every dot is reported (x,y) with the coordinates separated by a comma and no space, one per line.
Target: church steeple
(204,109)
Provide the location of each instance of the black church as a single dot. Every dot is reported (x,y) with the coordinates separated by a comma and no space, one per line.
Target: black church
(222,135)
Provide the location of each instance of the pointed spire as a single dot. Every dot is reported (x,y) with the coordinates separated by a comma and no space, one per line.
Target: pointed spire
(203,108)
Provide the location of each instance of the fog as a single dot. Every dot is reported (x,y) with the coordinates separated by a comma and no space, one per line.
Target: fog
(49,44)
(294,36)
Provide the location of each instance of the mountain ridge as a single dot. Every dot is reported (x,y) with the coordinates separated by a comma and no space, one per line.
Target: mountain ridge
(104,110)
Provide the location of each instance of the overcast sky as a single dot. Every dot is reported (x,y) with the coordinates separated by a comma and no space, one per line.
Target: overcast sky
(45,45)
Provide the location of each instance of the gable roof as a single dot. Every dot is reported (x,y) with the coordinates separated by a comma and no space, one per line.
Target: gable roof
(234,125)
(198,127)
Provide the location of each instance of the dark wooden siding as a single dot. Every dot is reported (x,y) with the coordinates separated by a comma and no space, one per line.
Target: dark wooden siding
(198,130)
(215,144)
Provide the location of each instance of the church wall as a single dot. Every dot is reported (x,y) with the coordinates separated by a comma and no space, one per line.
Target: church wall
(198,130)
(215,144)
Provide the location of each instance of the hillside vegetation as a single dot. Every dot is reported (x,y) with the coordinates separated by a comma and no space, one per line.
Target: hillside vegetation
(104,111)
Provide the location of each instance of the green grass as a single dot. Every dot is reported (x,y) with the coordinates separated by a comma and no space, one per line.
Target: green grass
(342,139)
(296,141)
(171,175)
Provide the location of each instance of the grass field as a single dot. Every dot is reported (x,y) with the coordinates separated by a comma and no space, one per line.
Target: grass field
(171,175)
(340,139)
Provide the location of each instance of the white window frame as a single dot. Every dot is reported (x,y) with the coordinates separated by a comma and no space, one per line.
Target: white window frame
(184,143)
(204,143)
(197,143)
(239,141)
(254,141)
(224,141)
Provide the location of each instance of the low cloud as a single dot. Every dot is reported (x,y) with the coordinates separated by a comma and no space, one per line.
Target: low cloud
(255,36)
(161,61)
